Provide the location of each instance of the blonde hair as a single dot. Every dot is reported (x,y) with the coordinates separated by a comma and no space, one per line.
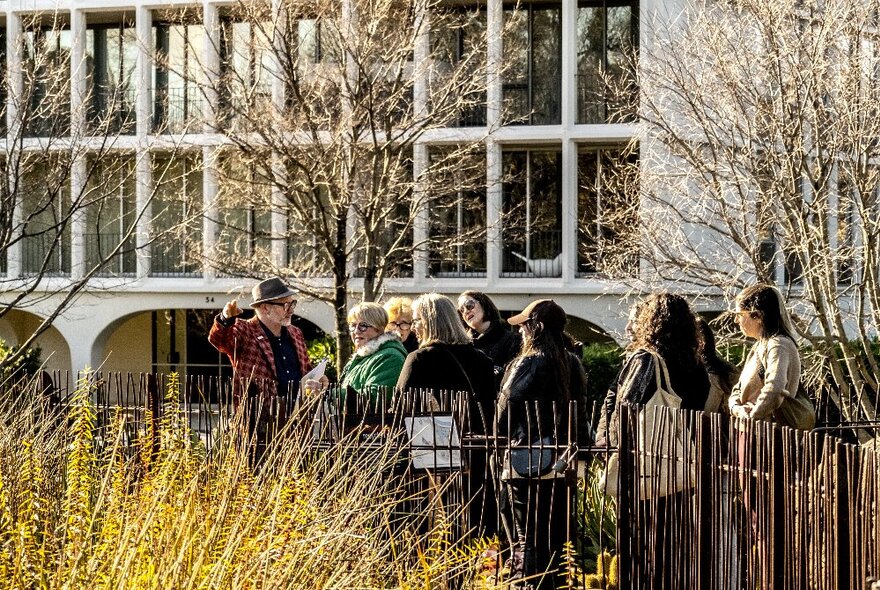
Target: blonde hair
(398,307)
(369,313)
(439,321)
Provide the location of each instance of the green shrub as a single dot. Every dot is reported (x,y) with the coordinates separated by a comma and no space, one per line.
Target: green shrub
(322,347)
(596,520)
(602,362)
(26,365)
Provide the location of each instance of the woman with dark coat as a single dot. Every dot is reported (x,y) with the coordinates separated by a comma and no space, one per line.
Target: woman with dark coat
(490,333)
(446,360)
(533,409)
(663,328)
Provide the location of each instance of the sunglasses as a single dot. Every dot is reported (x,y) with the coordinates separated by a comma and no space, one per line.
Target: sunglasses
(398,325)
(468,305)
(289,306)
(361,327)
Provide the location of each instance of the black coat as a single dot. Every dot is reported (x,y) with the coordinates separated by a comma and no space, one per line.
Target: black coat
(636,384)
(531,405)
(411,344)
(500,344)
(453,368)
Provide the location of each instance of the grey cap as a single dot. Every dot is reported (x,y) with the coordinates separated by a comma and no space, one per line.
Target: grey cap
(270,289)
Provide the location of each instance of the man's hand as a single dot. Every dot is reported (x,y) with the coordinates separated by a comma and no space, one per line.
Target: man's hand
(316,386)
(231,309)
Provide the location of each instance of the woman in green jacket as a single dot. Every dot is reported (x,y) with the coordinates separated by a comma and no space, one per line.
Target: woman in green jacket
(378,356)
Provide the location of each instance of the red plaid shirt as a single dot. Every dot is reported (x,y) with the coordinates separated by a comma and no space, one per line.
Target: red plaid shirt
(250,352)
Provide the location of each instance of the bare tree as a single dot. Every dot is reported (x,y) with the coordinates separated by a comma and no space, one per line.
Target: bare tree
(759,162)
(69,185)
(326,106)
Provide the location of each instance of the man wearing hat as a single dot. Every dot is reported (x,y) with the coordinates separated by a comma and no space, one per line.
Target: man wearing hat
(268,355)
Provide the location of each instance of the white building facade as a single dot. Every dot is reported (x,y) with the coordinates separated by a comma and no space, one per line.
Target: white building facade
(151,308)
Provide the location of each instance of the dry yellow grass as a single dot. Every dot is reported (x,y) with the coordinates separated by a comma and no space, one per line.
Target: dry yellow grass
(80,511)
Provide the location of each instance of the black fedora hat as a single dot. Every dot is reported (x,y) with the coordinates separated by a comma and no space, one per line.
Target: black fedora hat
(270,289)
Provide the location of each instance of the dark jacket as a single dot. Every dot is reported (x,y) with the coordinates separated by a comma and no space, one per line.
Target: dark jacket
(411,344)
(531,404)
(452,368)
(636,384)
(500,344)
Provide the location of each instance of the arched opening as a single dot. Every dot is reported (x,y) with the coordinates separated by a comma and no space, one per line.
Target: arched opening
(17,325)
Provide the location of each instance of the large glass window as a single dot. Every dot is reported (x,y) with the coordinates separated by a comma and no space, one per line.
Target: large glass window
(244,216)
(454,36)
(532,213)
(112,53)
(44,190)
(248,66)
(111,216)
(177,215)
(607,31)
(177,102)
(608,193)
(458,216)
(46,80)
(532,87)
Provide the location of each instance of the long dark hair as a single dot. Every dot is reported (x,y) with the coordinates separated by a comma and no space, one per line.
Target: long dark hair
(665,324)
(764,302)
(546,337)
(490,311)
(709,354)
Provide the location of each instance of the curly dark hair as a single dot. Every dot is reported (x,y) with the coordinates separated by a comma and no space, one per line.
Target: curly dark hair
(665,324)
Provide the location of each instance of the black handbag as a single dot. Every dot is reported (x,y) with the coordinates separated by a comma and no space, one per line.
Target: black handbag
(535,460)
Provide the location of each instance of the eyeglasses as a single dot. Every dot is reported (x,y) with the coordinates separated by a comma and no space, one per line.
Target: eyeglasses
(468,305)
(289,306)
(399,325)
(361,327)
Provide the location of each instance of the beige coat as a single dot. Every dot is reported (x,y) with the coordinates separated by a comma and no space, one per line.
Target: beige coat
(772,372)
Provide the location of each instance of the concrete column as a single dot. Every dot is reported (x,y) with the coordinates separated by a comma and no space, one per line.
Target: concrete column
(209,219)
(279,215)
(14,96)
(569,209)
(78,131)
(211,59)
(421,225)
(143,167)
(493,211)
(494,57)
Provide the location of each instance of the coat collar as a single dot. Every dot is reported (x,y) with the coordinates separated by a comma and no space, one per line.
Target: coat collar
(375,344)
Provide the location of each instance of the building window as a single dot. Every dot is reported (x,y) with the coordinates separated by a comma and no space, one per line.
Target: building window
(532,214)
(608,196)
(177,100)
(112,51)
(457,209)
(46,81)
(455,35)
(111,216)
(177,216)
(43,184)
(532,87)
(248,68)
(607,32)
(244,217)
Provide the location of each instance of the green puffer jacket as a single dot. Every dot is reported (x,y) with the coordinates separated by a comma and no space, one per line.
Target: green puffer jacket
(375,367)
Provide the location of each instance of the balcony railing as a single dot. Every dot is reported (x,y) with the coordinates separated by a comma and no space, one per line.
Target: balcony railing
(596,106)
(174,259)
(177,110)
(543,106)
(98,247)
(539,255)
(113,111)
(35,250)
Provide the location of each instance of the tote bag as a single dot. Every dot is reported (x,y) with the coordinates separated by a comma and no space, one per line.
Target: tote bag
(664,453)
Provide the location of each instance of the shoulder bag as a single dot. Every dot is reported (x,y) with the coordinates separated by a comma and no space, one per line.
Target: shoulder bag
(663,460)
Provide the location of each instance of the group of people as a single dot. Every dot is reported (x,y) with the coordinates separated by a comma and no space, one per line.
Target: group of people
(523,377)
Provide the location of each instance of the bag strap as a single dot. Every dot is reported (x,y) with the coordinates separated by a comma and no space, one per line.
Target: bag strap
(660,365)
